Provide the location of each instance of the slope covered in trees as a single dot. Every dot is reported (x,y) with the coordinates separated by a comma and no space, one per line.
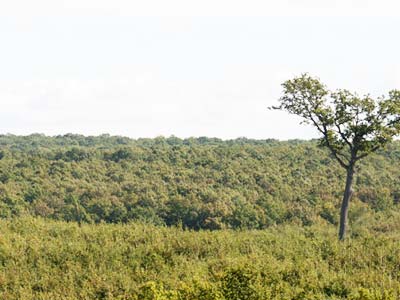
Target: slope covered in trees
(201,183)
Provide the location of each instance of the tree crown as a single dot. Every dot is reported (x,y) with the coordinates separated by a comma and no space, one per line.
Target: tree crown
(352,126)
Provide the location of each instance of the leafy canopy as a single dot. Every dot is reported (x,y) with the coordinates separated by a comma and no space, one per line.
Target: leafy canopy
(352,126)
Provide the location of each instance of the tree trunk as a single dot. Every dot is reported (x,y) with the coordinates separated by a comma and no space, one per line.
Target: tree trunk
(345,203)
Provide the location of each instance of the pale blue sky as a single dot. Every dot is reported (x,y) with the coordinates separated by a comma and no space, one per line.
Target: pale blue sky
(99,68)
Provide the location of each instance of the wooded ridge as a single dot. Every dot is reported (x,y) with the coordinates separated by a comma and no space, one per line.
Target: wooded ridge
(197,183)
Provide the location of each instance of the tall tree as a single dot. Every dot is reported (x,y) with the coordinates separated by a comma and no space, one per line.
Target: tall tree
(351,126)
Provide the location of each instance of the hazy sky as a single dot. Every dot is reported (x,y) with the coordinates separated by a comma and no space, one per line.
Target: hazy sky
(184,68)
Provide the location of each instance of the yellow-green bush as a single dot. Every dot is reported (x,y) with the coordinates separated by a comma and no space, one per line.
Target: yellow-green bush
(43,259)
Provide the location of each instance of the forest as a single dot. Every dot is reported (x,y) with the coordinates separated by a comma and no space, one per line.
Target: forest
(109,217)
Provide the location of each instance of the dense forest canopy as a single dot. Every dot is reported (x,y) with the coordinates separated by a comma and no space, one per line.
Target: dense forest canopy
(198,183)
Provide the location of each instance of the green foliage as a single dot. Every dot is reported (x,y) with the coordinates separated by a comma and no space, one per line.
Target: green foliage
(44,259)
(194,183)
(139,186)
(238,284)
(351,126)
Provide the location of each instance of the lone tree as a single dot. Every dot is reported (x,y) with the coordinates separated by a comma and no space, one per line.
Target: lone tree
(351,126)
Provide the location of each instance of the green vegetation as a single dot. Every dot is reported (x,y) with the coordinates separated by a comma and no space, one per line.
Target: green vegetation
(194,183)
(352,127)
(44,259)
(199,219)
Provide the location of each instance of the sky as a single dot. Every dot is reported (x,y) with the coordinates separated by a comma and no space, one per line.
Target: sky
(185,68)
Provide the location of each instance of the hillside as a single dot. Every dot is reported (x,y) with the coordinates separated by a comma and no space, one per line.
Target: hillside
(194,219)
(197,183)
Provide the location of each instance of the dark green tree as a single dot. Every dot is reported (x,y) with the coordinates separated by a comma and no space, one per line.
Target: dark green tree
(351,126)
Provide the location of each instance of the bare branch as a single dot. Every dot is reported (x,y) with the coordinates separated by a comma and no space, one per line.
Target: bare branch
(346,140)
(333,150)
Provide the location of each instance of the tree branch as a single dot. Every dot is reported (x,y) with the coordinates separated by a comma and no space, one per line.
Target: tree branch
(366,154)
(324,132)
(343,136)
(333,150)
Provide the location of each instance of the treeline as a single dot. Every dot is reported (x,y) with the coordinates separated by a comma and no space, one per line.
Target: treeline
(196,183)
